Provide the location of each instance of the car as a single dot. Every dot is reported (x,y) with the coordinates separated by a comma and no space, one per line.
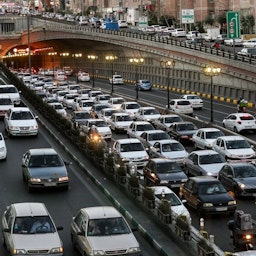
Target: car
(176,205)
(234,148)
(44,168)
(85,105)
(74,88)
(240,178)
(122,24)
(96,108)
(233,42)
(9,90)
(3,148)
(106,114)
(149,30)
(60,76)
(60,95)
(5,104)
(116,79)
(130,150)
(59,108)
(138,127)
(147,114)
(68,71)
(207,196)
(76,101)
(116,102)
(182,131)
(247,52)
(143,85)
(203,163)
(165,121)
(240,122)
(169,148)
(17,222)
(68,100)
(130,107)
(20,121)
(105,231)
(119,122)
(178,32)
(221,38)
(93,93)
(79,117)
(181,106)
(102,98)
(84,92)
(196,101)
(193,34)
(83,76)
(164,172)
(148,138)
(203,138)
(250,43)
(195,41)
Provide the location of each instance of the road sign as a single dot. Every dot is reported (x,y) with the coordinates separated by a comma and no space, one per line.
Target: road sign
(187,16)
(233,25)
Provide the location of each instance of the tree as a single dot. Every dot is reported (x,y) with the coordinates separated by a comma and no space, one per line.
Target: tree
(209,20)
(247,24)
(223,22)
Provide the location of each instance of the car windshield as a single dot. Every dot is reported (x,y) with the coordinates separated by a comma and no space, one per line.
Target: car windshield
(123,118)
(158,136)
(211,189)
(245,171)
(151,112)
(185,127)
(107,227)
(237,144)
(211,159)
(8,90)
(118,101)
(246,117)
(5,101)
(145,127)
(58,106)
(82,115)
(99,123)
(88,104)
(132,106)
(32,225)
(22,115)
(171,197)
(45,161)
(132,147)
(169,120)
(214,134)
(169,147)
(193,97)
(167,167)
(104,97)
(183,103)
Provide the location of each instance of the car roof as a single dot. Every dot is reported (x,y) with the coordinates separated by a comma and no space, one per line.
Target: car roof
(158,160)
(167,141)
(120,114)
(160,189)
(232,137)
(30,209)
(204,152)
(42,151)
(241,114)
(147,108)
(130,140)
(204,179)
(208,129)
(18,109)
(154,131)
(239,164)
(99,212)
(140,122)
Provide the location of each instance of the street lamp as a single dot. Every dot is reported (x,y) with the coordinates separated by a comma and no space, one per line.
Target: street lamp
(64,55)
(136,62)
(76,56)
(92,58)
(211,71)
(111,58)
(168,64)
(52,54)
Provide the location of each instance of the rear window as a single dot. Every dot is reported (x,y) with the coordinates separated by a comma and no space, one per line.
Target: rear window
(5,101)
(246,117)
(8,90)
(183,103)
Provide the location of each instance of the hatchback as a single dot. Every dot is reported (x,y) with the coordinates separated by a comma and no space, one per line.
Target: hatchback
(181,106)
(143,85)
(21,238)
(196,101)
(3,148)
(102,230)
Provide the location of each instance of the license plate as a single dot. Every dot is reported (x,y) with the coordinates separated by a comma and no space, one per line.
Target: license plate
(50,184)
(221,209)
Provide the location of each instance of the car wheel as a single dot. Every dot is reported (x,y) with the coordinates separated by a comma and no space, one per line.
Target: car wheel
(235,129)
(223,125)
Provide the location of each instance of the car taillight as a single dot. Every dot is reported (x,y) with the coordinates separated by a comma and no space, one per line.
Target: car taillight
(177,106)
(239,122)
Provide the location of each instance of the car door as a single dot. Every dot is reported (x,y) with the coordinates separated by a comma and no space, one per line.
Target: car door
(230,121)
(155,151)
(6,119)
(25,163)
(192,165)
(226,177)
(7,223)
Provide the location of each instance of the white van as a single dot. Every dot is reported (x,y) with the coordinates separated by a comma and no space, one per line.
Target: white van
(9,90)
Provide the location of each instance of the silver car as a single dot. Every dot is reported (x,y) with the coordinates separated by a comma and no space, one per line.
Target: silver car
(28,229)
(102,230)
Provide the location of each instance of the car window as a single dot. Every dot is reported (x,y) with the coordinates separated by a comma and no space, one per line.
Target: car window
(246,117)
(167,167)
(211,159)
(22,115)
(237,144)
(211,189)
(183,103)
(45,161)
(171,197)
(213,134)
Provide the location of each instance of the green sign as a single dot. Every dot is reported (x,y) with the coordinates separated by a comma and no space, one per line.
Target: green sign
(233,25)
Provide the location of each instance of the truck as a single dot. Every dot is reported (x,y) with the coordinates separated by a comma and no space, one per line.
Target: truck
(211,34)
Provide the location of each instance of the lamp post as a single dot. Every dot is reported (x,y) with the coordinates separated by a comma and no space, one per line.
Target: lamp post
(136,62)
(168,64)
(211,71)
(76,56)
(111,58)
(92,58)
(64,55)
(52,54)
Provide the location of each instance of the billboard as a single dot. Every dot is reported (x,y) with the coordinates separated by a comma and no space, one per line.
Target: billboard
(187,16)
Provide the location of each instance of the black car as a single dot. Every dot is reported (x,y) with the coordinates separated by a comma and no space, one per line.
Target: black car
(182,131)
(207,195)
(240,178)
(164,172)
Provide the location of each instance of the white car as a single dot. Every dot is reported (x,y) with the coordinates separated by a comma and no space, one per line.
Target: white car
(20,121)
(149,138)
(85,105)
(9,90)
(19,236)
(232,42)
(92,94)
(83,77)
(116,79)
(192,34)
(5,104)
(68,100)
(138,127)
(239,122)
(181,106)
(102,98)
(106,114)
(131,108)
(74,88)
(204,137)
(59,108)
(178,32)
(251,43)
(196,101)
(60,76)
(165,121)
(60,95)
(147,114)
(177,206)
(122,24)
(105,230)
(3,148)
(119,122)
(234,148)
(116,102)
(168,149)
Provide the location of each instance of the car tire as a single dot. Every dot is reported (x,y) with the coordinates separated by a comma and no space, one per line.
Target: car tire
(235,129)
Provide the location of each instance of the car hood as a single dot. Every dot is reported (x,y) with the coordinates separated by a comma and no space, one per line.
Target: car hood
(172,176)
(216,198)
(189,132)
(103,129)
(37,241)
(24,123)
(214,168)
(114,242)
(123,123)
(151,117)
(250,181)
(46,172)
(175,154)
(135,154)
(241,151)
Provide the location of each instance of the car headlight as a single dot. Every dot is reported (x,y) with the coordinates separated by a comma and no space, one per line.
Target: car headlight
(35,180)
(63,178)
(95,253)
(2,149)
(57,250)
(207,205)
(133,249)
(242,185)
(164,182)
(233,202)
(19,251)
(13,128)
(34,127)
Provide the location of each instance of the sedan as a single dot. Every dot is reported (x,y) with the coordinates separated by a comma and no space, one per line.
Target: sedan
(204,137)
(130,107)
(20,121)
(203,163)
(116,79)
(149,138)
(181,106)
(196,101)
(251,43)
(143,85)
(232,42)
(44,168)
(138,127)
(83,77)
(239,122)
(147,114)
(240,178)
(105,230)
(165,121)
(165,172)
(3,148)
(119,122)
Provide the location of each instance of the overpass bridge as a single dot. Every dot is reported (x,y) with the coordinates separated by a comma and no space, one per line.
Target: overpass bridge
(237,75)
